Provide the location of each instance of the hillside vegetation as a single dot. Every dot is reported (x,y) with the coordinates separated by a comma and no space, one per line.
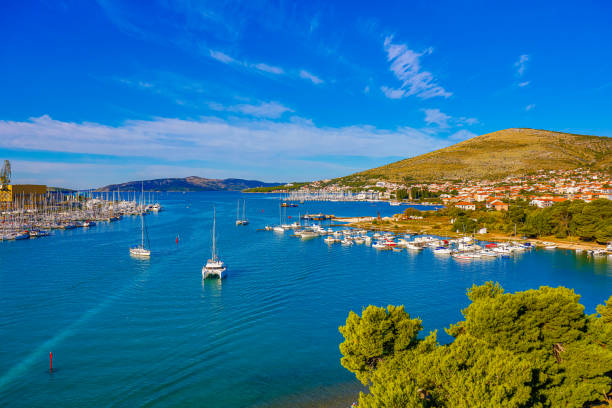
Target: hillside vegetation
(497,155)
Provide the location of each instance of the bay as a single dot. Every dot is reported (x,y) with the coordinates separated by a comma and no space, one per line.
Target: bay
(129,332)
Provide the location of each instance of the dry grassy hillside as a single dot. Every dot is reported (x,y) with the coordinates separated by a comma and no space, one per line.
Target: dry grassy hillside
(499,154)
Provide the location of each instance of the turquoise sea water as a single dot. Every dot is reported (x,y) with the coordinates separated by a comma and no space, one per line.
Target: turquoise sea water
(128,332)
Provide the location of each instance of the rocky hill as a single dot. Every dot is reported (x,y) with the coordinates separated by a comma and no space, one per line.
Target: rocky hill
(499,154)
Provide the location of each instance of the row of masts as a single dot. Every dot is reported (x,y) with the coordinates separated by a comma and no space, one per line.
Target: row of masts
(332,196)
(29,214)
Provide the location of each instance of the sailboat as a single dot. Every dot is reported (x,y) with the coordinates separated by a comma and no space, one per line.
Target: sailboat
(279,227)
(238,220)
(214,267)
(243,220)
(141,250)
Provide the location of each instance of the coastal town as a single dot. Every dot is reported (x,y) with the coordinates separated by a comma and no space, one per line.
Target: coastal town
(541,189)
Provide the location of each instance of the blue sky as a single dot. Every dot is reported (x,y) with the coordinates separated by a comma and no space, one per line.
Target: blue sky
(109,91)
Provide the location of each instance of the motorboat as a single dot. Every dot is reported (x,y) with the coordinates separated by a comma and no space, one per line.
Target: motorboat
(489,253)
(308,234)
(21,235)
(330,240)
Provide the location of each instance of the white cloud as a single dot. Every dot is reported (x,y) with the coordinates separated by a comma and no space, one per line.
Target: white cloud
(262,110)
(246,147)
(262,67)
(530,107)
(212,138)
(462,135)
(307,75)
(222,57)
(524,84)
(435,116)
(467,121)
(269,68)
(226,59)
(521,64)
(392,93)
(406,66)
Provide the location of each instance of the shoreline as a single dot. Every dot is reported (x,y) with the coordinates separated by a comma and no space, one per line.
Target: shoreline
(392,226)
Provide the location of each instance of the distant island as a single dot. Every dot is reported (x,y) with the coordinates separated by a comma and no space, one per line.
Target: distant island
(192,183)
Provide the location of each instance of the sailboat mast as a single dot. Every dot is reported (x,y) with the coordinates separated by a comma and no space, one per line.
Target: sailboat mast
(214,252)
(141,219)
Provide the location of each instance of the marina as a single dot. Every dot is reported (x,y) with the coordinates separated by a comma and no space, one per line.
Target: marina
(28,217)
(270,328)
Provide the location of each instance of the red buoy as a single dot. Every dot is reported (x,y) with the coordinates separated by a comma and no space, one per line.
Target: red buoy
(50,362)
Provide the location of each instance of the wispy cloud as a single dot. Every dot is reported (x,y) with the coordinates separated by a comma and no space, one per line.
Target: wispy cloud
(435,116)
(307,75)
(269,68)
(444,121)
(226,59)
(222,57)
(392,93)
(406,66)
(521,64)
(271,110)
(265,68)
(467,121)
(462,134)
(524,84)
(530,107)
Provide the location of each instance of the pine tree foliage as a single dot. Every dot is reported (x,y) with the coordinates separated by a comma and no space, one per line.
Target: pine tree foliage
(535,348)
(375,335)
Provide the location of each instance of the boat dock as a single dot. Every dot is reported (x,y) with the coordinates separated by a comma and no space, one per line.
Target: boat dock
(24,218)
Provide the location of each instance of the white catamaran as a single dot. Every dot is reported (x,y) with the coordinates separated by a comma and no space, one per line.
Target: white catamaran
(141,250)
(214,267)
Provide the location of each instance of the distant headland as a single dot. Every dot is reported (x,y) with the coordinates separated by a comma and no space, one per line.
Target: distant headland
(192,183)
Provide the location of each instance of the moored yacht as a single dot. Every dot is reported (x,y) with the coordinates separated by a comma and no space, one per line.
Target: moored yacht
(214,266)
(243,220)
(140,250)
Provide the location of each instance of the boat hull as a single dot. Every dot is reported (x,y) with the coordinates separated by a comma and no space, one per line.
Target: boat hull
(219,273)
